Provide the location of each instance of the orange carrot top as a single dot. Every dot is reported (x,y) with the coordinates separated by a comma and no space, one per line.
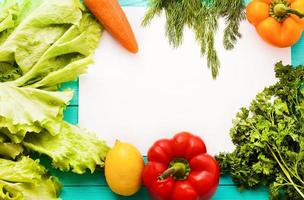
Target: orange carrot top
(110,14)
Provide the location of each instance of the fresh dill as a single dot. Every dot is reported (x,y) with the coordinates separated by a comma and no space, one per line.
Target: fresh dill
(202,17)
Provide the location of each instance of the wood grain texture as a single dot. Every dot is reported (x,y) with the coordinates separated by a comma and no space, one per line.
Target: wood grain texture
(103,193)
(137,3)
(71,114)
(97,179)
(297,53)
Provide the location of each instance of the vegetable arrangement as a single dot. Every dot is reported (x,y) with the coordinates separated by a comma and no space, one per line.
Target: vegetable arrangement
(269,138)
(42,44)
(180,168)
(201,17)
(45,43)
(278,22)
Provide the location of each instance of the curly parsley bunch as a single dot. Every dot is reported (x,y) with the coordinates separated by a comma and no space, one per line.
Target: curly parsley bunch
(269,138)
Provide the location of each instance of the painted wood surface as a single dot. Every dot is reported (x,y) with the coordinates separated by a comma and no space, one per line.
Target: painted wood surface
(94,187)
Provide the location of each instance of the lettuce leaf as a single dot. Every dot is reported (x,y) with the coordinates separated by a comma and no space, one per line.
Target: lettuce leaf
(8,13)
(63,37)
(68,73)
(26,179)
(43,43)
(25,110)
(75,47)
(46,37)
(46,189)
(73,149)
(8,72)
(10,150)
(25,170)
(37,31)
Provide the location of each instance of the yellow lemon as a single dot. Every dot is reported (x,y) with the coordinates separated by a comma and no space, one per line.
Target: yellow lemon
(123,169)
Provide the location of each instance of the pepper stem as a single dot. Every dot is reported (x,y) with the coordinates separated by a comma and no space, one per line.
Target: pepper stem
(179,169)
(281,10)
(295,12)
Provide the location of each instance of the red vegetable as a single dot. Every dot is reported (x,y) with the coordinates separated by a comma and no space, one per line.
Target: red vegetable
(180,169)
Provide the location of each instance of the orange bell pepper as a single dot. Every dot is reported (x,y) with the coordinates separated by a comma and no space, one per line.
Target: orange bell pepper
(278,22)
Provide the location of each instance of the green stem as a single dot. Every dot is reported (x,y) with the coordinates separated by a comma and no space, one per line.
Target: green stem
(284,163)
(178,169)
(285,171)
(280,10)
(296,170)
(295,12)
(289,184)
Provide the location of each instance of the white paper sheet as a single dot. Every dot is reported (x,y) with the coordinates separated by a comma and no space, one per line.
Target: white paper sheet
(160,91)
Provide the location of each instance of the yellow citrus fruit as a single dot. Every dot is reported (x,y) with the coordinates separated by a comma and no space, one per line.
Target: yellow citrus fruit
(123,169)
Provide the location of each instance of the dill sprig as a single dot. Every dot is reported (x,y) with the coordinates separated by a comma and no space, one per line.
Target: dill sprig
(202,17)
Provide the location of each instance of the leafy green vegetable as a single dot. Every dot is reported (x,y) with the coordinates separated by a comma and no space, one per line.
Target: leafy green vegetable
(269,138)
(73,149)
(24,110)
(63,38)
(202,17)
(46,189)
(8,15)
(9,72)
(68,73)
(43,43)
(44,28)
(71,52)
(10,150)
(25,170)
(26,179)
(56,40)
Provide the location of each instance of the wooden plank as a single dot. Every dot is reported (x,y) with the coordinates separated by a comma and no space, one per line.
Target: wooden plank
(98,179)
(232,193)
(137,3)
(104,193)
(71,179)
(71,114)
(296,53)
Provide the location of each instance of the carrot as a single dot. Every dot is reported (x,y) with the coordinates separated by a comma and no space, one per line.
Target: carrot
(110,14)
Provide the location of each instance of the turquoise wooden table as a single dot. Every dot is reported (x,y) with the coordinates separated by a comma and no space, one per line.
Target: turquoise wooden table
(94,187)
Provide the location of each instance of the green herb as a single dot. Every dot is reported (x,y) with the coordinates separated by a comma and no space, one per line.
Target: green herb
(202,17)
(269,138)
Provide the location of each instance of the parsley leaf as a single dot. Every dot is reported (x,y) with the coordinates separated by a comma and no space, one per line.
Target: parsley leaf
(269,138)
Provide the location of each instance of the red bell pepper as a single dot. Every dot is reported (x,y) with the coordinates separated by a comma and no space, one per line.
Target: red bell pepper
(180,169)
